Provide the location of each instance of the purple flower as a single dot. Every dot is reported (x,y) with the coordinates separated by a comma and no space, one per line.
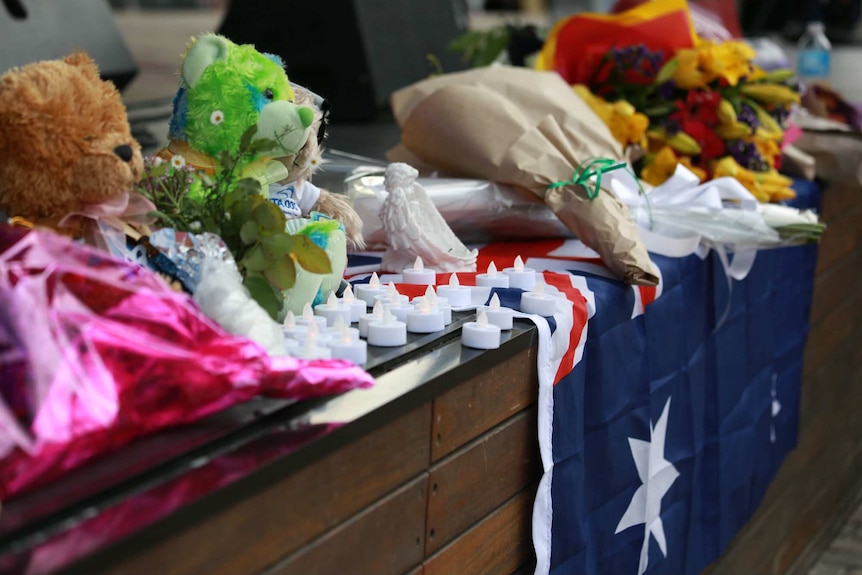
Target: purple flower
(671,126)
(665,91)
(780,113)
(747,156)
(748,116)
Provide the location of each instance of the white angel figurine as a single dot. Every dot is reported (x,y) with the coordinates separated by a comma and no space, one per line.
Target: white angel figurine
(414,227)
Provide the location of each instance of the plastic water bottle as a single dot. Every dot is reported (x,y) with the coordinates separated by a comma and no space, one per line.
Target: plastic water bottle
(815,54)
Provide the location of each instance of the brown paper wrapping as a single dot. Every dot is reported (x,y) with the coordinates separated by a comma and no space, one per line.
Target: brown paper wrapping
(527,129)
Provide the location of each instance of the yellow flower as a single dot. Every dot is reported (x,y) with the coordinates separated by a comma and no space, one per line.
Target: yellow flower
(661,168)
(729,60)
(768,149)
(627,125)
(664,165)
(688,74)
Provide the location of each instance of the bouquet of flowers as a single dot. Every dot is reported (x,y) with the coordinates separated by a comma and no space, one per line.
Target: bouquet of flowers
(677,98)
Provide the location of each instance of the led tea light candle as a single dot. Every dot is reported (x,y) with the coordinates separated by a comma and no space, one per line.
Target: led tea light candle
(357,308)
(291,346)
(519,276)
(346,347)
(492,278)
(309,317)
(388,332)
(538,302)
(332,309)
(436,302)
(423,319)
(399,310)
(291,329)
(366,292)
(480,334)
(310,349)
(335,331)
(418,274)
(366,318)
(498,315)
(391,296)
(458,295)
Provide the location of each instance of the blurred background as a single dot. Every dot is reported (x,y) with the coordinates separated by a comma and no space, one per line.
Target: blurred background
(354,52)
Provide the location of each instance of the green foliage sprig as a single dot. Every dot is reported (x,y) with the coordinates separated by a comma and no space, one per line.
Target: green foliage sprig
(234,208)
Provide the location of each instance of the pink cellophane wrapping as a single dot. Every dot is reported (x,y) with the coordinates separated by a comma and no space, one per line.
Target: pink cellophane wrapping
(95,351)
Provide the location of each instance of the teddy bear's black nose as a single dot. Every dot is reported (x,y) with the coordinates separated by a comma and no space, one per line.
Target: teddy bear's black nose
(124,152)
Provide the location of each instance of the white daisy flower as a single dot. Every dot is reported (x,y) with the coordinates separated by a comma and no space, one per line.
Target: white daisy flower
(216,117)
(195,226)
(178,162)
(157,161)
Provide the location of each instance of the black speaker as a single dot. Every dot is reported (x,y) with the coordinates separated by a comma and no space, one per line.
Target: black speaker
(354,53)
(33,30)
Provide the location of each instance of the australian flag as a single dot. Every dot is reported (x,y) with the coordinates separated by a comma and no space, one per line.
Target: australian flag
(664,413)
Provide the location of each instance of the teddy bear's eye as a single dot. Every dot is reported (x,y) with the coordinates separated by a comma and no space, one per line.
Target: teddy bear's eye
(89,138)
(268,94)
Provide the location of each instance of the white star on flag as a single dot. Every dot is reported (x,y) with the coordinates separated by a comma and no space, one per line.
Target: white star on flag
(657,475)
(776,408)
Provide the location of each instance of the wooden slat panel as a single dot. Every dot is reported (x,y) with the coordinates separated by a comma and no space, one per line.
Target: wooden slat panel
(841,238)
(472,408)
(385,539)
(836,199)
(478,478)
(270,523)
(501,543)
(418,571)
(832,383)
(836,285)
(834,329)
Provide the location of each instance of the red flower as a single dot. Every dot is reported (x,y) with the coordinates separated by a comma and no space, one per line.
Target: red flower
(711,145)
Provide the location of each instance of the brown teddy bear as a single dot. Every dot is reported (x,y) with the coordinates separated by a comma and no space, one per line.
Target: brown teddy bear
(65,142)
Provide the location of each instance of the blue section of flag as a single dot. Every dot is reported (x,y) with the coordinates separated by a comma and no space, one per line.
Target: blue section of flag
(729,361)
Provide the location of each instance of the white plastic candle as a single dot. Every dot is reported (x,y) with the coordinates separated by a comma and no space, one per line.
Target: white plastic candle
(308,316)
(497,314)
(337,329)
(436,302)
(366,318)
(480,334)
(399,310)
(519,276)
(346,347)
(388,332)
(357,308)
(332,309)
(423,319)
(538,302)
(391,296)
(292,329)
(310,348)
(418,274)
(367,291)
(458,295)
(492,278)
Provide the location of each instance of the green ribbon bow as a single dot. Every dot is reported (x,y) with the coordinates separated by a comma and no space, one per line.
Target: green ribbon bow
(589,169)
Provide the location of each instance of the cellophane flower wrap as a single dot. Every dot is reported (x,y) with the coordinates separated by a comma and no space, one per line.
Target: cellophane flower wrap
(679,98)
(95,351)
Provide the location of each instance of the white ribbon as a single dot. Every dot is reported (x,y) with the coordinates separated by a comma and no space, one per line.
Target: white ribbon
(680,202)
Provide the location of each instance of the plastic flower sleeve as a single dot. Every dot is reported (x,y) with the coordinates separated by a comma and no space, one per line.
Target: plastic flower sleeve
(110,352)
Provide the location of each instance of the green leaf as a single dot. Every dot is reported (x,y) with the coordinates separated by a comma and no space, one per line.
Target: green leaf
(277,245)
(659,110)
(262,145)
(269,216)
(249,232)
(463,42)
(249,186)
(666,72)
(263,293)
(255,260)
(226,160)
(247,137)
(282,274)
(310,256)
(159,171)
